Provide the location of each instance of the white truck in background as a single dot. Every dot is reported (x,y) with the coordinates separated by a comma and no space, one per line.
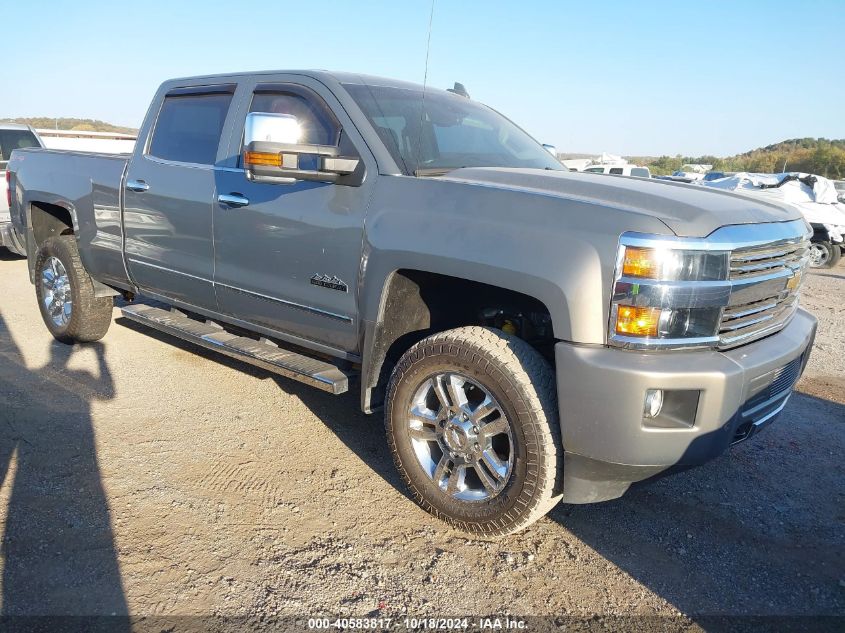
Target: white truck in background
(619,170)
(12,136)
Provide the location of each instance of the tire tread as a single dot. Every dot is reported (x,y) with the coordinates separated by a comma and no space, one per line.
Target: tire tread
(91,315)
(530,381)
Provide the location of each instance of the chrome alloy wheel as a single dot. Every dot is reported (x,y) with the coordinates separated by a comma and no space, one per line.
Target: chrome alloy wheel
(461,437)
(57,299)
(818,255)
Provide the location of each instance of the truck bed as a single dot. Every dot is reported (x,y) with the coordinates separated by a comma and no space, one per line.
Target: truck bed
(87,184)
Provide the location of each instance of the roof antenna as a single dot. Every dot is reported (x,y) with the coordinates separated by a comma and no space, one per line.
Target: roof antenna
(428,46)
(425,82)
(459,90)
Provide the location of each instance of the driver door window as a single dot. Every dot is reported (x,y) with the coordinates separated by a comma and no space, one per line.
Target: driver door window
(318,125)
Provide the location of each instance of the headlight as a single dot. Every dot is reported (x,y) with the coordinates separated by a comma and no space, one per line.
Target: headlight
(736,285)
(673,264)
(668,296)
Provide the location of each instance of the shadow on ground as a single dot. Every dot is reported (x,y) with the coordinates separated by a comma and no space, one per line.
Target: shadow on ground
(58,549)
(8,256)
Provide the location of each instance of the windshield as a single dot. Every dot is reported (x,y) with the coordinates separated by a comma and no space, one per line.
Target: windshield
(446,132)
(11,140)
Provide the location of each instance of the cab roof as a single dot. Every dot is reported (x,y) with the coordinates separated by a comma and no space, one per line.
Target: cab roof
(325,76)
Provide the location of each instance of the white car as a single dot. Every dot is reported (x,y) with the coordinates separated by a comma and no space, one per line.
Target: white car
(619,170)
(12,136)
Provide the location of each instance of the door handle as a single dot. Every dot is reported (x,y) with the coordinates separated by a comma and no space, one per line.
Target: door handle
(138,186)
(232,200)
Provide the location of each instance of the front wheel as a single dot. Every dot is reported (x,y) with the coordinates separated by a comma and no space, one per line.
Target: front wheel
(65,292)
(824,254)
(472,423)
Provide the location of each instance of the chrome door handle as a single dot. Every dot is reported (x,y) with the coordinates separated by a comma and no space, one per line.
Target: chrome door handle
(137,185)
(232,200)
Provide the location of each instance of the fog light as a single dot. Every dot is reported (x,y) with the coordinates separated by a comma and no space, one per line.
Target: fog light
(653,403)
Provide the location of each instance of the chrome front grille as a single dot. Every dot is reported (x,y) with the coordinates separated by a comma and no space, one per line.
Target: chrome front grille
(769,258)
(765,282)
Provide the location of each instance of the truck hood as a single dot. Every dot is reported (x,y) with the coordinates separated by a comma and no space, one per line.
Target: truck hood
(688,210)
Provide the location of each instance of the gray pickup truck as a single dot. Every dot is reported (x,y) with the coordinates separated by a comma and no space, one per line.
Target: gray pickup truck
(12,136)
(531,334)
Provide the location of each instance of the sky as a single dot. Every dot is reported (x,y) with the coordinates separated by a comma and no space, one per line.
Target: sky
(624,77)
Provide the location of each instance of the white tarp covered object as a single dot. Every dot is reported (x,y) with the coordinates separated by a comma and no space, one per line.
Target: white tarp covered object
(815,196)
(610,159)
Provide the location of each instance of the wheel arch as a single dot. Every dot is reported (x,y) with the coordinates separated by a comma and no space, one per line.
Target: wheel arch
(45,218)
(415,303)
(48,219)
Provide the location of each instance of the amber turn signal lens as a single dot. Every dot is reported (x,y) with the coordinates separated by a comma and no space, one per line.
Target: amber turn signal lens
(633,321)
(640,262)
(263,159)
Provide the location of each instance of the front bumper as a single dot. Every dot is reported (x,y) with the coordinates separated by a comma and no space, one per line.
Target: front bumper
(10,239)
(601,391)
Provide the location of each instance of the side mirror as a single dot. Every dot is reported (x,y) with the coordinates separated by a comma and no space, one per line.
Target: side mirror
(273,152)
(551,149)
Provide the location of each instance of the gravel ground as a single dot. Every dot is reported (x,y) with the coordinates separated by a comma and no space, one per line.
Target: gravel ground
(141,475)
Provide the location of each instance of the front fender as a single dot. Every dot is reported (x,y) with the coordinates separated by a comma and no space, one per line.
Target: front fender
(560,252)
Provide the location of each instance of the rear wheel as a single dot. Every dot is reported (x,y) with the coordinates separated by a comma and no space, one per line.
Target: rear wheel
(472,424)
(65,292)
(824,254)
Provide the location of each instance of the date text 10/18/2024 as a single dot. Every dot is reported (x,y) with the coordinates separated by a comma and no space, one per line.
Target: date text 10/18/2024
(417,624)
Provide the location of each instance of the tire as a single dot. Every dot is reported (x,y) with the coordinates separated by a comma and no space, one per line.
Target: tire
(87,317)
(824,254)
(498,369)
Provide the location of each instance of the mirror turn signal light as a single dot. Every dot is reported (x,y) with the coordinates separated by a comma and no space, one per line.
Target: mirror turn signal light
(269,159)
(637,321)
(263,158)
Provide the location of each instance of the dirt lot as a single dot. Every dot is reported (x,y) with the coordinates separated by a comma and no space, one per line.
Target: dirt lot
(142,476)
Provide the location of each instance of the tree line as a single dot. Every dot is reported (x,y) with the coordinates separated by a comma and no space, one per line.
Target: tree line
(69,123)
(812,155)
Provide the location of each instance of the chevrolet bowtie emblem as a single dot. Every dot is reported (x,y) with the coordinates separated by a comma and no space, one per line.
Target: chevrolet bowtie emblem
(794,281)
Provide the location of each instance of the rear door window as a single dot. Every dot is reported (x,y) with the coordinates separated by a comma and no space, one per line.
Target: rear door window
(189,126)
(616,171)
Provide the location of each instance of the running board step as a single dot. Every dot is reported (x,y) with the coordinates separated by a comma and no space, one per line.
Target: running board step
(311,371)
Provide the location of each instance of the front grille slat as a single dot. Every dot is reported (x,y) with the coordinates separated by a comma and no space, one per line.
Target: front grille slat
(757,315)
(748,308)
(767,258)
(758,267)
(746,255)
(764,296)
